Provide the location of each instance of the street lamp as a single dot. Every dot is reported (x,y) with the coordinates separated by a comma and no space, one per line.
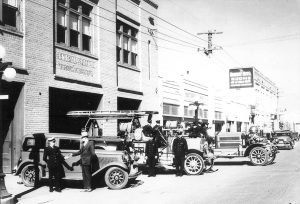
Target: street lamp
(197,104)
(8,74)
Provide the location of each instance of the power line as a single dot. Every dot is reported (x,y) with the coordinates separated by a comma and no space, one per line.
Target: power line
(168,22)
(267,40)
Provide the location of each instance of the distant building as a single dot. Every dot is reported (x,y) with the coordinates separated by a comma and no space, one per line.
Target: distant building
(251,87)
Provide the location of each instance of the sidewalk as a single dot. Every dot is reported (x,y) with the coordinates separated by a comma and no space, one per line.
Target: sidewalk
(17,190)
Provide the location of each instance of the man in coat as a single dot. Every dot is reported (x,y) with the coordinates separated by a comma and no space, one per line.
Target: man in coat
(55,161)
(180,149)
(151,153)
(86,153)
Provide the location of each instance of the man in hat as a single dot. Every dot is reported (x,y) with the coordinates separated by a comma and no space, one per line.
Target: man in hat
(86,153)
(180,149)
(147,129)
(55,161)
(151,153)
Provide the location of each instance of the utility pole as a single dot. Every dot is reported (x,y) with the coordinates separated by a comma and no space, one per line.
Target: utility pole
(209,49)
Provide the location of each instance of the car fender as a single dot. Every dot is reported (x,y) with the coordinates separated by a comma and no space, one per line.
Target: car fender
(112,164)
(250,147)
(196,152)
(28,162)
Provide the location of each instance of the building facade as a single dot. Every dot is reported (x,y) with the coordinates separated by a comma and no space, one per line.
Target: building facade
(75,55)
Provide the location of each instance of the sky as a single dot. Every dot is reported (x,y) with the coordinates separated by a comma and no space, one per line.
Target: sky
(264,34)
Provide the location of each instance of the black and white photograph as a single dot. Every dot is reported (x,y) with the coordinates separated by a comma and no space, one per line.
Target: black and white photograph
(149,101)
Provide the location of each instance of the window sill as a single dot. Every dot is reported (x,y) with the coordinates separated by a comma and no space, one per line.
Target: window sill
(11,30)
(127,66)
(75,50)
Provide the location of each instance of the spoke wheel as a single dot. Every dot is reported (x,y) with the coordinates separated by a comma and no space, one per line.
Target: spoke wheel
(193,164)
(28,175)
(259,156)
(116,178)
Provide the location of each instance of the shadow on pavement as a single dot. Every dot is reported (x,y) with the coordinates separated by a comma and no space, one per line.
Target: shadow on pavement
(232,163)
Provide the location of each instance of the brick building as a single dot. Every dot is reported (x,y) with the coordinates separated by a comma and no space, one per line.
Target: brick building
(75,55)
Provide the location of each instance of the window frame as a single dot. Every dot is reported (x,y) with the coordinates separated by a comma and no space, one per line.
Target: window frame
(16,14)
(81,16)
(121,34)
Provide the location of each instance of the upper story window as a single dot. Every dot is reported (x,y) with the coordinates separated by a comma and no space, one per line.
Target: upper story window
(74,24)
(126,44)
(10,12)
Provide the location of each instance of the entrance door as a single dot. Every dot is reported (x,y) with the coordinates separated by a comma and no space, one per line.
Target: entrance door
(11,119)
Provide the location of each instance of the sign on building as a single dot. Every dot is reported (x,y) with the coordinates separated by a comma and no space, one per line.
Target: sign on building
(240,78)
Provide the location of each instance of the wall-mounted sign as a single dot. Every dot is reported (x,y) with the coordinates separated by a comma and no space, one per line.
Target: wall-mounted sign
(75,66)
(241,78)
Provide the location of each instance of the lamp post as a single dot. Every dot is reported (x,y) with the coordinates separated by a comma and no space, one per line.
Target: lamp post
(197,104)
(8,74)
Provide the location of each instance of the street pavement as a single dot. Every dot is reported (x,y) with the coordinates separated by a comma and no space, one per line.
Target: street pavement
(235,182)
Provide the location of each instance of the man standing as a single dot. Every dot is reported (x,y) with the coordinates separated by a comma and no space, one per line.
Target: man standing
(151,153)
(86,153)
(55,161)
(180,149)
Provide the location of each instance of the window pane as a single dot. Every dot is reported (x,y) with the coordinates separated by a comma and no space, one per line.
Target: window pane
(118,54)
(11,2)
(119,40)
(9,15)
(86,40)
(133,59)
(86,9)
(61,1)
(73,38)
(73,21)
(133,46)
(61,17)
(134,32)
(67,144)
(61,34)
(86,27)
(74,4)
(126,29)
(125,56)
(125,43)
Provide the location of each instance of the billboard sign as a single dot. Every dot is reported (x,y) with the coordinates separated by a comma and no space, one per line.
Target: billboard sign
(240,78)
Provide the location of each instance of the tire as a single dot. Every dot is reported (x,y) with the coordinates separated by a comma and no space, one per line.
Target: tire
(116,178)
(28,175)
(193,164)
(259,156)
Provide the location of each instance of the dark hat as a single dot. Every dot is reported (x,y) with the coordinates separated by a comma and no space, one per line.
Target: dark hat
(51,139)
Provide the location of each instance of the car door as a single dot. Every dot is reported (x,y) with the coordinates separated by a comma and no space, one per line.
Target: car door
(68,146)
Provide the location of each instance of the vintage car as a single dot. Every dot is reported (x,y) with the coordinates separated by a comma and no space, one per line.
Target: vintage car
(195,162)
(116,166)
(235,144)
(131,130)
(284,139)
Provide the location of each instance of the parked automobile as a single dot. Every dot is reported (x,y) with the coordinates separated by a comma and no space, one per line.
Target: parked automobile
(115,166)
(235,144)
(284,139)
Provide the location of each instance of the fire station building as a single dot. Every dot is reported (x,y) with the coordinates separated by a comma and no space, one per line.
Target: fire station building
(74,55)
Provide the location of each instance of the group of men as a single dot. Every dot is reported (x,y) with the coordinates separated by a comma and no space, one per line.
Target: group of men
(180,148)
(55,161)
